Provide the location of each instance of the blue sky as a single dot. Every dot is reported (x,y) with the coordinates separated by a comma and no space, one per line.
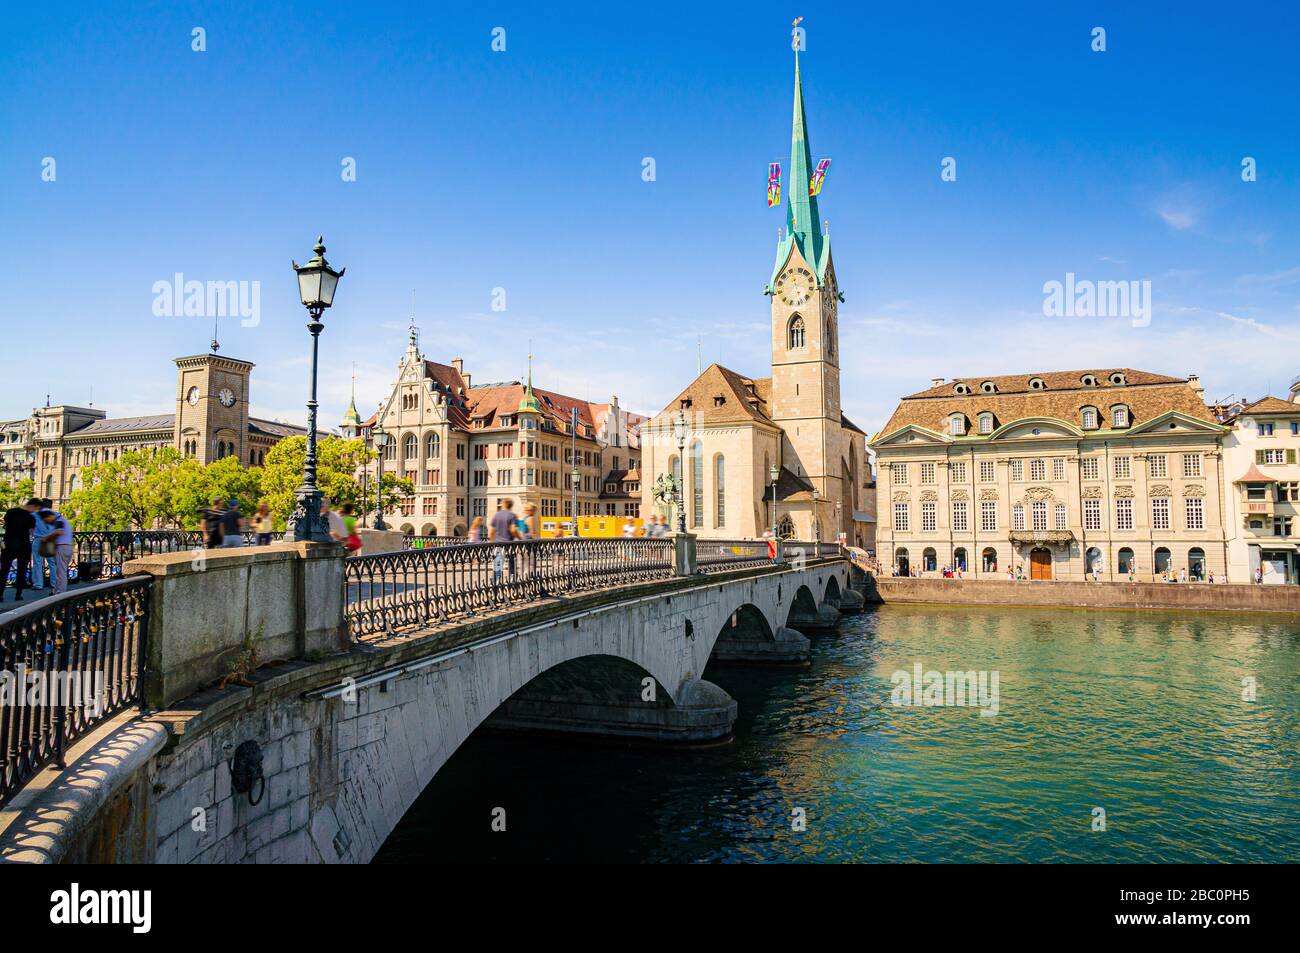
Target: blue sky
(522,170)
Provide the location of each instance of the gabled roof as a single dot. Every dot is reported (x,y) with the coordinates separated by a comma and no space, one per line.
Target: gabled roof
(1270,405)
(720,394)
(791,486)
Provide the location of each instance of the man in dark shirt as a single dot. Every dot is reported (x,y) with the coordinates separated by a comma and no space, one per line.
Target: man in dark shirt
(19,524)
(212,533)
(232,526)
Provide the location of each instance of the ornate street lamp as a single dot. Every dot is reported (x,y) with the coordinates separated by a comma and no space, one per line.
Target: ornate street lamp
(773,474)
(381,438)
(679,431)
(316,284)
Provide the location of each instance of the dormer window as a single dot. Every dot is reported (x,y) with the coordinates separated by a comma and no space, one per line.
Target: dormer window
(961,388)
(719,400)
(1087,380)
(1117,379)
(1037,383)
(986,423)
(957,425)
(1089,418)
(1119,416)
(989,387)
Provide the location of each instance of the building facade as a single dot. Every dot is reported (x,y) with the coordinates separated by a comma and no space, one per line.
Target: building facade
(468,447)
(17,453)
(740,426)
(1115,472)
(211,421)
(1263,495)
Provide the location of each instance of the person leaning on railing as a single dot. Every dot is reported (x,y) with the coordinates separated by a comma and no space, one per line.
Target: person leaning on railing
(58,543)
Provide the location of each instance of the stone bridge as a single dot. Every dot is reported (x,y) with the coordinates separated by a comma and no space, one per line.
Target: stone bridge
(317,758)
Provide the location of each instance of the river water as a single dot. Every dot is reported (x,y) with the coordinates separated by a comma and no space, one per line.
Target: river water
(1139,714)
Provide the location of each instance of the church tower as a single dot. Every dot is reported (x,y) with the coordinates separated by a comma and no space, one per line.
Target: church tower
(805,345)
(212,407)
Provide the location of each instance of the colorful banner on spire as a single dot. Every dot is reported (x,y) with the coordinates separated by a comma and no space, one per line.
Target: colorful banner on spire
(773,184)
(819,176)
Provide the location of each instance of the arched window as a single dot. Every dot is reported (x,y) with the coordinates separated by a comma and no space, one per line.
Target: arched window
(720,490)
(49,486)
(1162,560)
(410,447)
(1196,564)
(929,560)
(956,425)
(1090,418)
(989,560)
(697,483)
(959,559)
(1119,416)
(785,529)
(433,447)
(1125,564)
(797,334)
(830,338)
(986,423)
(72,484)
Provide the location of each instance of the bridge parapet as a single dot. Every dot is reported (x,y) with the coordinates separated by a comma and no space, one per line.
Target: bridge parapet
(217,613)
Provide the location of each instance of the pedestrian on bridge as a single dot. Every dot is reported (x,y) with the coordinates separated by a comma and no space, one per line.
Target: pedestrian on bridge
(41,563)
(61,534)
(17,550)
(503,528)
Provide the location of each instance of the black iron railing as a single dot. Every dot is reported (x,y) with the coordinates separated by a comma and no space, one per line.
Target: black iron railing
(67,663)
(720,555)
(428,542)
(100,554)
(389,591)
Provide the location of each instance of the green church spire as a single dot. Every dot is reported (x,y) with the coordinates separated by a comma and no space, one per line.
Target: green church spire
(530,404)
(803,222)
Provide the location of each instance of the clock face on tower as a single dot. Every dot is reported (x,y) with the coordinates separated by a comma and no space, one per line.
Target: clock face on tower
(795,287)
(227,397)
(193,396)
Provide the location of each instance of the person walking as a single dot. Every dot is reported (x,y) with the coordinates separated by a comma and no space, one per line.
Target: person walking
(40,564)
(337,528)
(19,525)
(353,541)
(232,526)
(263,524)
(61,534)
(477,531)
(503,528)
(212,523)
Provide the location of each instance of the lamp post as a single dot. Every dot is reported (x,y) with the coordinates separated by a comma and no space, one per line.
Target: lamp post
(317,282)
(839,522)
(574,475)
(381,438)
(679,431)
(817,523)
(773,474)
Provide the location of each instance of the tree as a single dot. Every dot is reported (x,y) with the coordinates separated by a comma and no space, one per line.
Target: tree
(137,490)
(225,479)
(16,494)
(337,463)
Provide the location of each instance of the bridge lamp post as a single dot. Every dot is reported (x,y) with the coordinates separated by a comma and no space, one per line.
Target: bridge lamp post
(817,522)
(773,474)
(317,282)
(381,438)
(679,432)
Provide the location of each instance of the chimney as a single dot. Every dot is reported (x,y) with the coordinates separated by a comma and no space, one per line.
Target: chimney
(1194,382)
(458,363)
(936,381)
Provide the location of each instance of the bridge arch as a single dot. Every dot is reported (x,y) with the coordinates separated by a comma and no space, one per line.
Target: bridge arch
(832,594)
(803,603)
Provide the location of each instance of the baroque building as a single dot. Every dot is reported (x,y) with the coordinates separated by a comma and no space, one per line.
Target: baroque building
(740,426)
(467,447)
(1116,471)
(211,420)
(17,454)
(1263,500)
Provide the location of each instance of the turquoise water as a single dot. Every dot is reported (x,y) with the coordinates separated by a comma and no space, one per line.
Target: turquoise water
(1138,713)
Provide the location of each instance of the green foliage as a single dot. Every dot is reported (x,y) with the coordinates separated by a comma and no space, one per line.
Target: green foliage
(136,489)
(16,494)
(161,488)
